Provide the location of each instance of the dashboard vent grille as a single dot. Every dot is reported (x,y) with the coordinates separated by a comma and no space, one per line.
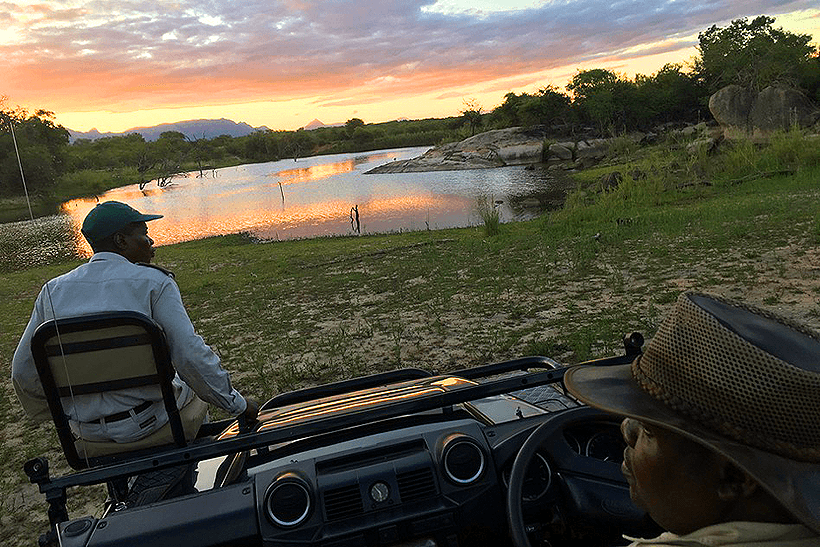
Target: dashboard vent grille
(416,485)
(344,502)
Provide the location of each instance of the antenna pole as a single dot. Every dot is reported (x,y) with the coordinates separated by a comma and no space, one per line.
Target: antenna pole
(20,164)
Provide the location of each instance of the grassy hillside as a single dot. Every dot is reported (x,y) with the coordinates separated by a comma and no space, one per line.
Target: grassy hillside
(744,223)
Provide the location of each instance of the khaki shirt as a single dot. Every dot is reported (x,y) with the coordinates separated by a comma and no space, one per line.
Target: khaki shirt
(738,534)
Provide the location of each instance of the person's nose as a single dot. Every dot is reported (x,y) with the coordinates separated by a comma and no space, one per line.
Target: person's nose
(629,430)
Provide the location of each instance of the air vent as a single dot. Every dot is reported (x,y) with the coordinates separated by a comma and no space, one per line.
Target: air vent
(344,502)
(288,502)
(416,485)
(463,460)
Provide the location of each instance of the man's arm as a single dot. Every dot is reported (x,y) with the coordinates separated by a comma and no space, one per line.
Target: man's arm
(24,375)
(195,362)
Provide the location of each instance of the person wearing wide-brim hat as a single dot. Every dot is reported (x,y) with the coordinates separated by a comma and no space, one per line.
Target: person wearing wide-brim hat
(722,425)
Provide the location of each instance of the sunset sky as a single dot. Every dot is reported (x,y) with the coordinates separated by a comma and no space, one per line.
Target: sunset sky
(114,65)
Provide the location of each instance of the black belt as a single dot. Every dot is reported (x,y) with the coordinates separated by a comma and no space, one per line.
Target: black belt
(117,416)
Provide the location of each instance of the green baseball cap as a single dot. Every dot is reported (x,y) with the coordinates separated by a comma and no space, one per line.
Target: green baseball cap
(109,217)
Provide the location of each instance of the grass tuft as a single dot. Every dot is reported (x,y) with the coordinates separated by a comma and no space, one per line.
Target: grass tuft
(487,211)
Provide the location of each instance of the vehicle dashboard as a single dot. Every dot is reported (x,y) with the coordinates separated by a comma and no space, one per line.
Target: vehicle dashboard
(396,459)
(439,479)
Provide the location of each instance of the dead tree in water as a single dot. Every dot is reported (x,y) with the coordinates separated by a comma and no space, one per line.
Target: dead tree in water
(165,158)
(144,164)
(167,170)
(354,219)
(201,151)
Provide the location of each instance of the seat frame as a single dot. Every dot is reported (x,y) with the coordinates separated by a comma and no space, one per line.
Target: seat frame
(44,353)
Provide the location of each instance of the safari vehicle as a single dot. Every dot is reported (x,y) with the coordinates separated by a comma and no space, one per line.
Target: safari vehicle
(493,455)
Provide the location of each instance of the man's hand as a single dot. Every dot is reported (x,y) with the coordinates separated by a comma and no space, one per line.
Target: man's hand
(248,418)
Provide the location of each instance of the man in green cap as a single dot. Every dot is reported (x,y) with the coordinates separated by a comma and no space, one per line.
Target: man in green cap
(119,277)
(722,425)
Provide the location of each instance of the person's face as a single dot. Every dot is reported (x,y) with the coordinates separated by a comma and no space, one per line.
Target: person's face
(674,479)
(135,244)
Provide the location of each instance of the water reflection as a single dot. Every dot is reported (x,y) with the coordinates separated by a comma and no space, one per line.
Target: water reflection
(323,171)
(284,200)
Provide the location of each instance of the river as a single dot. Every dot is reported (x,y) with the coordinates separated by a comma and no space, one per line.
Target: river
(312,197)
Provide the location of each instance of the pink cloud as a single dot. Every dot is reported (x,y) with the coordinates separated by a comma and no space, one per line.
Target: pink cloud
(113,56)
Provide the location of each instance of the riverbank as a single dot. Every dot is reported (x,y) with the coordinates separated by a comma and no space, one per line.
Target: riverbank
(568,285)
(82,184)
(314,197)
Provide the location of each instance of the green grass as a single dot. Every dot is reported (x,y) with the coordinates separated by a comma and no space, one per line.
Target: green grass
(488,213)
(568,285)
(89,182)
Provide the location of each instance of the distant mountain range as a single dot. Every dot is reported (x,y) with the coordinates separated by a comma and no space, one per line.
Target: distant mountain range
(193,129)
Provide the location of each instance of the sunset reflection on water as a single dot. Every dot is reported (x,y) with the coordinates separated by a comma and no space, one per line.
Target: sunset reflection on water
(308,220)
(326,170)
(314,197)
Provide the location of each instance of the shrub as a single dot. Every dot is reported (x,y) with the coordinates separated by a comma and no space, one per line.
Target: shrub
(489,215)
(89,182)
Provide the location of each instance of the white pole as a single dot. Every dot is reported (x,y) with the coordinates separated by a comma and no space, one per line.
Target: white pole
(20,164)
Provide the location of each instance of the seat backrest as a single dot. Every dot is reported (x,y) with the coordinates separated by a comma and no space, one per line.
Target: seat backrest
(102,352)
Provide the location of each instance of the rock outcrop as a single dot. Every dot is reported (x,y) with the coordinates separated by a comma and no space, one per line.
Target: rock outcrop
(744,113)
(511,146)
(581,153)
(526,146)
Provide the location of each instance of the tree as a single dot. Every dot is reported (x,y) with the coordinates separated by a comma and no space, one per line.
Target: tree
(363,137)
(752,54)
(262,146)
(297,144)
(202,151)
(809,74)
(107,152)
(471,114)
(546,107)
(170,152)
(588,82)
(508,114)
(42,147)
(352,124)
(607,100)
(354,129)
(670,95)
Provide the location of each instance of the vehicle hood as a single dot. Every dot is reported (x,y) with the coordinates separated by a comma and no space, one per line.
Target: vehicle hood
(347,403)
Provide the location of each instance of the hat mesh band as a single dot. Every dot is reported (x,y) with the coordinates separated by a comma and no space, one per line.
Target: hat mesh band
(771,404)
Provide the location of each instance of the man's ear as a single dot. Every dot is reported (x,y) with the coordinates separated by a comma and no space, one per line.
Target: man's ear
(119,240)
(735,483)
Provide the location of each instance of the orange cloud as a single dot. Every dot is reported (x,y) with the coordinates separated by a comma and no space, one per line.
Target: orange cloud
(115,65)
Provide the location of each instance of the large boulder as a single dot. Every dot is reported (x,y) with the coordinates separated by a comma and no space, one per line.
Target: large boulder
(521,153)
(562,150)
(730,106)
(583,153)
(742,112)
(595,149)
(780,108)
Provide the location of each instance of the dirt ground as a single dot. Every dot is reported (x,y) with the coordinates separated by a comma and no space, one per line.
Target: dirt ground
(785,279)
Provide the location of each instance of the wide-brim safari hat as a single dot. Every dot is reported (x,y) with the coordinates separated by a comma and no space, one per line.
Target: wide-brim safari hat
(740,380)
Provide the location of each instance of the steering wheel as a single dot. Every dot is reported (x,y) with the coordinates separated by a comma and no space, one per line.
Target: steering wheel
(550,435)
